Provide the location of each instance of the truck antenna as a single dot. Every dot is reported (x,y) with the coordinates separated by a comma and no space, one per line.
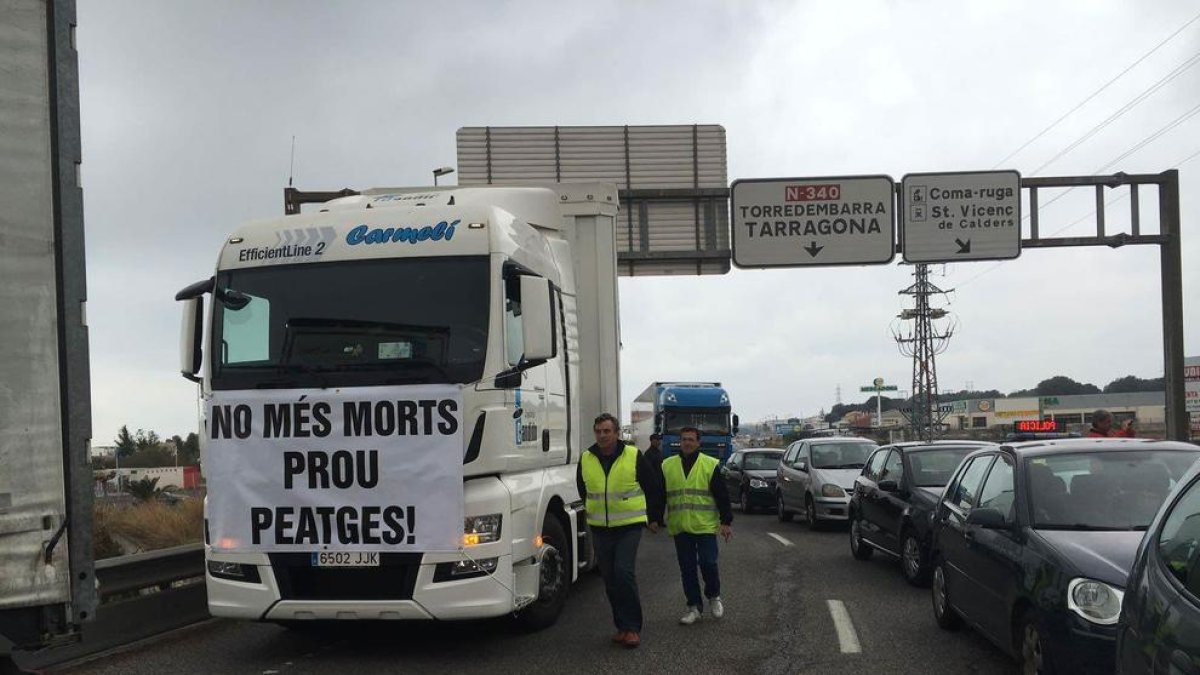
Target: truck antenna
(292,161)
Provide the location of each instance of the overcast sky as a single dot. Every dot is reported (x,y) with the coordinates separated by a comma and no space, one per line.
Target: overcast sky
(189,110)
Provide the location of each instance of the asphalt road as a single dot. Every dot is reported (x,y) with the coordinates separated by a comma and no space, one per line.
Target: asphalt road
(779,619)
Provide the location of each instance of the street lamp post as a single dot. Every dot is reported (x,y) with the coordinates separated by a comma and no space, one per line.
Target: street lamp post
(441,171)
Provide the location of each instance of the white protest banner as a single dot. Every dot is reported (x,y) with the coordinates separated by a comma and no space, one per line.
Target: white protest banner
(358,469)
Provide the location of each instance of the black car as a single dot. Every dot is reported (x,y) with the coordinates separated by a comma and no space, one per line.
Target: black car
(1159,630)
(750,477)
(1033,543)
(894,499)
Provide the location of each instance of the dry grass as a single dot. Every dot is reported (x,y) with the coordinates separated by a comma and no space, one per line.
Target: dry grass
(146,527)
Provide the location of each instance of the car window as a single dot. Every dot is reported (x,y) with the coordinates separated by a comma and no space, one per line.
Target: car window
(875,465)
(845,455)
(735,462)
(997,492)
(968,485)
(791,452)
(760,461)
(893,468)
(933,468)
(1179,541)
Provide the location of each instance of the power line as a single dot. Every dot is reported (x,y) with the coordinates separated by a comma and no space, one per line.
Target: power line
(1096,93)
(1152,137)
(1147,93)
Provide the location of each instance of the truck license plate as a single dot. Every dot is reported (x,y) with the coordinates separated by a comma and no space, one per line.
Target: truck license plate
(344,559)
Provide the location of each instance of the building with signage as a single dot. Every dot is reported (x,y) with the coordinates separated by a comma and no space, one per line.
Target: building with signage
(1148,408)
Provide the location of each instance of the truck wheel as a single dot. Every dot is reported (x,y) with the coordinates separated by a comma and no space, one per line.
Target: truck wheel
(554,581)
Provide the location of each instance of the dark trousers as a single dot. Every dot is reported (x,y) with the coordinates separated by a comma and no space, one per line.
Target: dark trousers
(693,550)
(616,551)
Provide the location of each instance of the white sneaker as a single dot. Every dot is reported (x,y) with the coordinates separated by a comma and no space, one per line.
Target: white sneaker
(690,617)
(716,607)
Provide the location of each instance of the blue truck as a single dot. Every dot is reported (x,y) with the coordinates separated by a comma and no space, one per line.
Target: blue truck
(667,407)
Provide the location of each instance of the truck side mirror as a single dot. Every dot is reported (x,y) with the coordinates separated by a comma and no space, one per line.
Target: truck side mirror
(735,425)
(191,336)
(537,319)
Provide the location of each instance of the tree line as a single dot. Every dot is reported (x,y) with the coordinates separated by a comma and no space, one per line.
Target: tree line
(1059,385)
(146,449)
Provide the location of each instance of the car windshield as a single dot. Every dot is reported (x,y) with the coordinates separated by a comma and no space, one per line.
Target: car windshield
(1102,490)
(841,455)
(761,461)
(933,468)
(709,422)
(421,320)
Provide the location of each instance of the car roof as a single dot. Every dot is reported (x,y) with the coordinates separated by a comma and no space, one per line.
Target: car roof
(761,450)
(906,446)
(838,439)
(1059,446)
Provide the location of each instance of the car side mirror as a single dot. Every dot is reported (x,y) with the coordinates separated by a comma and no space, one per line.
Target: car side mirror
(889,486)
(801,466)
(988,519)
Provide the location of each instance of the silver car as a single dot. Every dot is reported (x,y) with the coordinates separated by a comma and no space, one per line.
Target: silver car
(816,477)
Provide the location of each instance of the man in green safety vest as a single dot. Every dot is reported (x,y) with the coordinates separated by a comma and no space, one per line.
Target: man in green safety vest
(697,510)
(623,495)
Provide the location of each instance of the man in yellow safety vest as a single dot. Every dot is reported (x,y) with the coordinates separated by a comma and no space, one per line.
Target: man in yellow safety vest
(622,495)
(697,509)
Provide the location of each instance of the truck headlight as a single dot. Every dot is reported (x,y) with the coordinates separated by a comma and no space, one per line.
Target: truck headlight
(1095,601)
(481,529)
(831,490)
(758,484)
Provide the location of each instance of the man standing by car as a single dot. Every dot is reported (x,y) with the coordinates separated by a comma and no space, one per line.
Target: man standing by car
(622,496)
(697,509)
(1102,421)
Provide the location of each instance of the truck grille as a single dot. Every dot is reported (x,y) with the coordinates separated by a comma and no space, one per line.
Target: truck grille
(394,579)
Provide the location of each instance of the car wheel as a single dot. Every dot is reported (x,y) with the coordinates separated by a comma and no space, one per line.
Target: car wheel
(1034,659)
(860,549)
(745,500)
(810,513)
(554,581)
(946,617)
(785,516)
(913,559)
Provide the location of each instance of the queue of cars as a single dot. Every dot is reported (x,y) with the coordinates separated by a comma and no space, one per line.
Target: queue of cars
(1072,555)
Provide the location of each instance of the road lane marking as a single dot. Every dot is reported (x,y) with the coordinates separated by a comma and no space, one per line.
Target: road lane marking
(847,636)
(779,539)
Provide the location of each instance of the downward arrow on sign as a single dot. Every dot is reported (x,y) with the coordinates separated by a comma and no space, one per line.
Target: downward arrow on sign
(963,246)
(813,249)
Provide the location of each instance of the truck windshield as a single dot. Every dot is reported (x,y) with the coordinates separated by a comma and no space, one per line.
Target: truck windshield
(361,323)
(709,422)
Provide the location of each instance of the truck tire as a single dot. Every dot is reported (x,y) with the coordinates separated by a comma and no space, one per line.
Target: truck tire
(554,579)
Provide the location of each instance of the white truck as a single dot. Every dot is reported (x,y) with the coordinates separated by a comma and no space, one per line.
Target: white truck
(47,585)
(397,388)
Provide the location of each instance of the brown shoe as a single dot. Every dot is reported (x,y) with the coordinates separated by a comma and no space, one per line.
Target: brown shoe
(632,640)
(619,638)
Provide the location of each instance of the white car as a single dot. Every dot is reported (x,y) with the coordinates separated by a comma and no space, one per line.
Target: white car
(816,477)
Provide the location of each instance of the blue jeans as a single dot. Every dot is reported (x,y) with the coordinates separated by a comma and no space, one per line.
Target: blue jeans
(693,550)
(616,552)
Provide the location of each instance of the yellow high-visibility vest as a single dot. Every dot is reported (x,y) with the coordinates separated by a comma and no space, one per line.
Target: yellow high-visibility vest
(691,507)
(615,498)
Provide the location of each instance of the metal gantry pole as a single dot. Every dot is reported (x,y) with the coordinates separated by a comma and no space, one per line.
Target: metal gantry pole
(1172,306)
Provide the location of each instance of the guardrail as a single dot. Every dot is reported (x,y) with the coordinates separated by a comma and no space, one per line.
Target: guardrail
(141,595)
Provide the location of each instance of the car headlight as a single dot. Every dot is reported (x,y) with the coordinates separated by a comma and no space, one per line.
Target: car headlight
(481,529)
(1095,601)
(831,490)
(757,483)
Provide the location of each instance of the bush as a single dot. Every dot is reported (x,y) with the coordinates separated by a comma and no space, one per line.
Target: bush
(146,526)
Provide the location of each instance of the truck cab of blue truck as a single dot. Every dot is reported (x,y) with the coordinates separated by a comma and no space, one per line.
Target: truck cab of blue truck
(667,407)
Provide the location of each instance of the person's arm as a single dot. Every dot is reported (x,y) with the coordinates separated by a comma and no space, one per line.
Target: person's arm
(579,481)
(652,486)
(720,493)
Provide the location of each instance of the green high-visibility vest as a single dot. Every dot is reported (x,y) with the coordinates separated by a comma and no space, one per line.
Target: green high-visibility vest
(690,504)
(614,498)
